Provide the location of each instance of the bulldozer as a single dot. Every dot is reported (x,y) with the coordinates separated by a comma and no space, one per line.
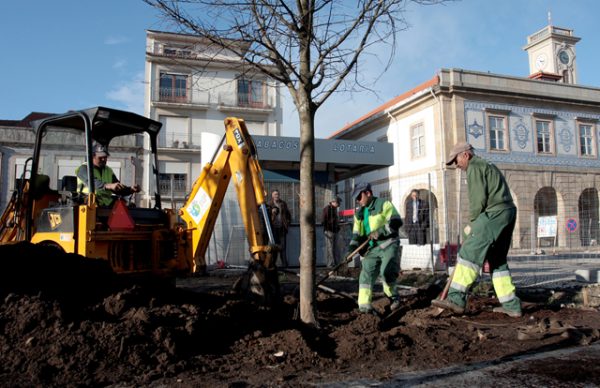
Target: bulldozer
(136,240)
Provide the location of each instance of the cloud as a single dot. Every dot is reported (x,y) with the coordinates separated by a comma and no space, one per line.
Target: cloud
(119,64)
(114,40)
(130,94)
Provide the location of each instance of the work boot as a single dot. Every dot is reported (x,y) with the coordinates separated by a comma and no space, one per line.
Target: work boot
(366,310)
(395,304)
(447,305)
(510,313)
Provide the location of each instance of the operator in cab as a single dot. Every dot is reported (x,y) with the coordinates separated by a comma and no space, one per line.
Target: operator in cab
(105,180)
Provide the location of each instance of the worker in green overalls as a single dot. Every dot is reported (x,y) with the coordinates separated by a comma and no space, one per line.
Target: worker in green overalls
(492,215)
(105,182)
(378,220)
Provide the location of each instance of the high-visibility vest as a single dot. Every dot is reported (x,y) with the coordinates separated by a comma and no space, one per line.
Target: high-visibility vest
(103,196)
(380,215)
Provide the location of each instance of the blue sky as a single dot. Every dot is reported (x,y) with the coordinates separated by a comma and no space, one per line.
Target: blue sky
(71,54)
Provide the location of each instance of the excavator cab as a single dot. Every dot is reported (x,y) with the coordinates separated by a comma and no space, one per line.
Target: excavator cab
(51,207)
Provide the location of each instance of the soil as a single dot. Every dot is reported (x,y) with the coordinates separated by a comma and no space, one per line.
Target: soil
(69,321)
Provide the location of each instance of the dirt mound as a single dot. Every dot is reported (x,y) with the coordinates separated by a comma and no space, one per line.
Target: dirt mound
(67,321)
(29,269)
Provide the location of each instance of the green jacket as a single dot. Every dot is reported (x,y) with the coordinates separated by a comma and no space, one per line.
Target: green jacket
(101,177)
(382,218)
(488,190)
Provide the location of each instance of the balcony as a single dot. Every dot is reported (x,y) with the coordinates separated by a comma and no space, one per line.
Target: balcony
(243,102)
(172,188)
(179,141)
(182,97)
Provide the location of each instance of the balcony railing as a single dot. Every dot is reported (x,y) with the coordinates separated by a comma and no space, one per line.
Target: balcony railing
(182,96)
(243,100)
(179,140)
(173,95)
(179,189)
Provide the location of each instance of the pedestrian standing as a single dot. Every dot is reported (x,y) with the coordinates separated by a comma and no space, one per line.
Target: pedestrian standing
(416,218)
(492,215)
(280,218)
(331,228)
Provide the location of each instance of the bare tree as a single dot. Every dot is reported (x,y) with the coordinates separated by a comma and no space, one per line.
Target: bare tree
(313,47)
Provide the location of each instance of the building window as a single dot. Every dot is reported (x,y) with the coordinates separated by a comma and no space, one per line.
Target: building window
(586,139)
(497,126)
(174,133)
(251,93)
(417,140)
(543,130)
(173,185)
(173,87)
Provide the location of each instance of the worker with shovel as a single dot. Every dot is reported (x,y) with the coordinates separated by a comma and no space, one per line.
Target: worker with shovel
(493,215)
(378,220)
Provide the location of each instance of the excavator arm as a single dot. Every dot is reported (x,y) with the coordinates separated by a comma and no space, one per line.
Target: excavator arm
(236,157)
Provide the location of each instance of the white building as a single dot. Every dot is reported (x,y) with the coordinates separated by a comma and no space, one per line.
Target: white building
(191,87)
(541,131)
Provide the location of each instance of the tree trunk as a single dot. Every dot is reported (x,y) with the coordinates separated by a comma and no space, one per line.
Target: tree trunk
(307,216)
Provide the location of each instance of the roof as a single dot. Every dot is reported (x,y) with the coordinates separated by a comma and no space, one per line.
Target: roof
(26,121)
(196,38)
(427,84)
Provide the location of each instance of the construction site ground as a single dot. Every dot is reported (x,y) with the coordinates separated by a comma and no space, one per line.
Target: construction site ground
(69,321)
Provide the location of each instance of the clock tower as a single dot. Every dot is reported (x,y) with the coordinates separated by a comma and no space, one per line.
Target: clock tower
(551,53)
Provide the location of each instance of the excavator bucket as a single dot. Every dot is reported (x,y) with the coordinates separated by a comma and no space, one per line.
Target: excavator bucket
(261,283)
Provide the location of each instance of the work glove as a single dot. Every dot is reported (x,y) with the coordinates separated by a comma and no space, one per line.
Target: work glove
(379,233)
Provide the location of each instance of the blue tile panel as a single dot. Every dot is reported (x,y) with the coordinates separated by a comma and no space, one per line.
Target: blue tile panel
(521,139)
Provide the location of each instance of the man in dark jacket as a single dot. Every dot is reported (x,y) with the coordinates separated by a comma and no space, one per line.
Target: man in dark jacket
(280,221)
(331,227)
(493,215)
(416,218)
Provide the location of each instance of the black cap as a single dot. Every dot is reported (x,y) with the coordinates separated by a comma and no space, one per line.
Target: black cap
(359,188)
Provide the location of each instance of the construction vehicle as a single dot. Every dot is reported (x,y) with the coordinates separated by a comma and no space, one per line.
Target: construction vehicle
(138,240)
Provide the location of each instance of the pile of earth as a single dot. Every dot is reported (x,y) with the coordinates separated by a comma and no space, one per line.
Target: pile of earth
(69,321)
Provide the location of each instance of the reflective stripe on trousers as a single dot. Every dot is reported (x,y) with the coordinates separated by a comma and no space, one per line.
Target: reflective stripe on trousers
(503,285)
(365,295)
(465,274)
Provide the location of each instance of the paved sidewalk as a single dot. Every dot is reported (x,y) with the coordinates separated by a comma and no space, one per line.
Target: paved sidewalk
(552,271)
(572,367)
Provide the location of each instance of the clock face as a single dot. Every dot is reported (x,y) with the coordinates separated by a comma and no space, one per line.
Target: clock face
(540,61)
(563,56)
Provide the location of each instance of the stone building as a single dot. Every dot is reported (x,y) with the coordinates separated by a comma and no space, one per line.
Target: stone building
(541,131)
(63,153)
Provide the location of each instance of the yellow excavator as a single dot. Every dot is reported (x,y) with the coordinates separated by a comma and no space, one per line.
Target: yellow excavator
(138,240)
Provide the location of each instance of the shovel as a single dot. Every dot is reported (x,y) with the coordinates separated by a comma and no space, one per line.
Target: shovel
(346,261)
(444,294)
